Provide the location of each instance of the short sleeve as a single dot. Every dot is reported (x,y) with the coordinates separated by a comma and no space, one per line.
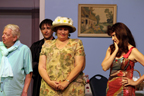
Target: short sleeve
(46,45)
(43,50)
(80,48)
(27,61)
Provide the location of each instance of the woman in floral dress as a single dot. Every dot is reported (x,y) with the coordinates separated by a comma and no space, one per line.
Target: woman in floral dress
(121,58)
(61,62)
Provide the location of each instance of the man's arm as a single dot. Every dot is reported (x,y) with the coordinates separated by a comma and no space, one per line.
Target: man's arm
(26,84)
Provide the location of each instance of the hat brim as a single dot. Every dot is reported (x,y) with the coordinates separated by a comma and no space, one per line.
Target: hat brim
(53,27)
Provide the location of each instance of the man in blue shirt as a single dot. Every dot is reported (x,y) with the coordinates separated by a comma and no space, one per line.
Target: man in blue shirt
(15,63)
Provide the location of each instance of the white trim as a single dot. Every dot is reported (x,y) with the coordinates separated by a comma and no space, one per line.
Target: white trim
(41,14)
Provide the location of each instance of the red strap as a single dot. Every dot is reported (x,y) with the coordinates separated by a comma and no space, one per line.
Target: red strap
(128,53)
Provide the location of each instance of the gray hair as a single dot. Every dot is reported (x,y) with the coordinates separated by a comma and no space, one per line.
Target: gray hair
(15,29)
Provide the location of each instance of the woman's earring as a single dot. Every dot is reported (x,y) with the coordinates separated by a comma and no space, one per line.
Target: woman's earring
(69,35)
(55,34)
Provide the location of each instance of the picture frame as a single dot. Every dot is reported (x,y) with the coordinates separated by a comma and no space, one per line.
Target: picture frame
(93,19)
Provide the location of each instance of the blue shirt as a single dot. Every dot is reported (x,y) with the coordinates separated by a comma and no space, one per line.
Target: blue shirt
(21,63)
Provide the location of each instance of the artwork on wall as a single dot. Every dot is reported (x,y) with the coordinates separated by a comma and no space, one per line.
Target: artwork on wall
(93,19)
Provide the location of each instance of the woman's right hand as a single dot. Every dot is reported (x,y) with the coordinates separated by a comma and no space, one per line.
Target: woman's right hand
(116,46)
(63,85)
(54,84)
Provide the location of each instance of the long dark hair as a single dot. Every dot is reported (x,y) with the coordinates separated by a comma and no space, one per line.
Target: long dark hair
(124,36)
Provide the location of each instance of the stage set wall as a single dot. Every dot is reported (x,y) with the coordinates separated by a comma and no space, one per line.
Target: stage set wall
(129,12)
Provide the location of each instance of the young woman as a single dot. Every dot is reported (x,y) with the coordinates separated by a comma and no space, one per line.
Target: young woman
(120,58)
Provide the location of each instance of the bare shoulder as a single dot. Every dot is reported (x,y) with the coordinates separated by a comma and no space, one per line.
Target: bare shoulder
(135,51)
(137,56)
(130,46)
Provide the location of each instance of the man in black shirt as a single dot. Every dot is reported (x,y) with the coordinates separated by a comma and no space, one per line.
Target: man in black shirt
(45,27)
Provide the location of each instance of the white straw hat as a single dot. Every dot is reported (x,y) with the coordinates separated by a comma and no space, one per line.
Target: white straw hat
(63,21)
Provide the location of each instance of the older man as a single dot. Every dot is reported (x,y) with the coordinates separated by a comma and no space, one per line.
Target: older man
(15,63)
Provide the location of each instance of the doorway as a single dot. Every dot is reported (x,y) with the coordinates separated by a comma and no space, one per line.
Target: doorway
(26,19)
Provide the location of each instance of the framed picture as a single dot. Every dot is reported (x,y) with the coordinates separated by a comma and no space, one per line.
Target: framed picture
(93,19)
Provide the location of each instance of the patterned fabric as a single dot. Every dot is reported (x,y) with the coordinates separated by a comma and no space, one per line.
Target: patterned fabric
(60,63)
(35,50)
(122,67)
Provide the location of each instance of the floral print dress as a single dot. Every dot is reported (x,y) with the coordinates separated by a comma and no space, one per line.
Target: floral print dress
(122,67)
(59,64)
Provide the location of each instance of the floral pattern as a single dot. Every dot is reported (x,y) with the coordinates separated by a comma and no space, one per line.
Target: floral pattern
(63,20)
(59,64)
(122,67)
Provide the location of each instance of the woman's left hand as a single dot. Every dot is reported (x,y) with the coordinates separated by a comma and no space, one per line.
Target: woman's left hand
(127,81)
(63,85)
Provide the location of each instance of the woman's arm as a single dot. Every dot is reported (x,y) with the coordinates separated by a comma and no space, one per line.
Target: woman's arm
(138,56)
(127,81)
(109,58)
(79,66)
(43,73)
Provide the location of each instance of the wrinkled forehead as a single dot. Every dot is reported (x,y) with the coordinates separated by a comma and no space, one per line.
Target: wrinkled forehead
(7,30)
